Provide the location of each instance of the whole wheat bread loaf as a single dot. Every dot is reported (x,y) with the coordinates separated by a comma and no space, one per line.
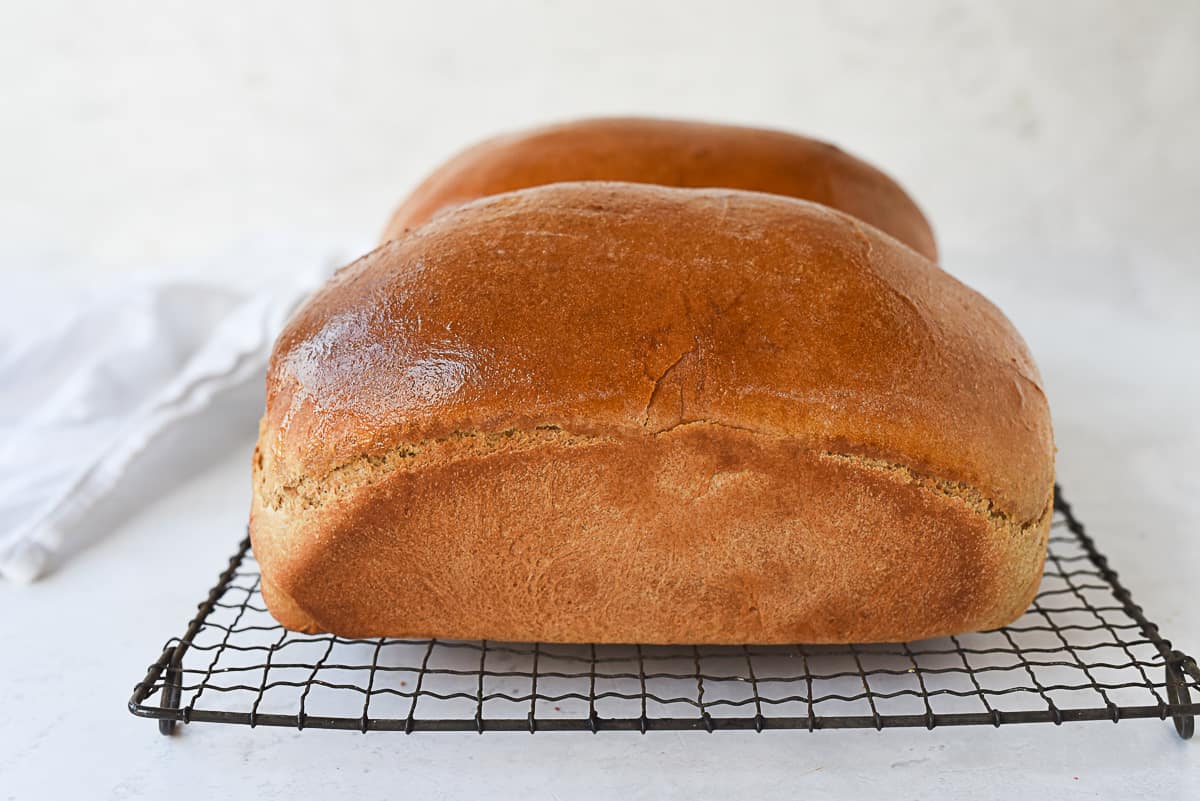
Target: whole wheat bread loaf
(601,412)
(671,153)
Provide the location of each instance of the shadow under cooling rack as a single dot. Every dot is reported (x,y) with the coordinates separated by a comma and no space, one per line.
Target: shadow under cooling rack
(1082,651)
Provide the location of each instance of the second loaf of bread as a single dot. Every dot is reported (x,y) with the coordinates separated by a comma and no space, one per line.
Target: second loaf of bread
(625,413)
(671,153)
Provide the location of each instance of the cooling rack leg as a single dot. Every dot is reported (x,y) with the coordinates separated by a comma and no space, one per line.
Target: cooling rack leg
(171,693)
(1179,695)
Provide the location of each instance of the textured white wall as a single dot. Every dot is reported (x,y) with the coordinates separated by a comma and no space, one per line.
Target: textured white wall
(144,133)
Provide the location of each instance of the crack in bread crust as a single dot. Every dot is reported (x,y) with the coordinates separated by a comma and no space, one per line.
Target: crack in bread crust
(958,490)
(306,492)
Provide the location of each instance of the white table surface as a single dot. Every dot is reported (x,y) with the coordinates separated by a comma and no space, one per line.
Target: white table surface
(1124,390)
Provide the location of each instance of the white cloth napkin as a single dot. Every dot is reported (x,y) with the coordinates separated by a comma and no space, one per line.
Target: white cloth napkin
(115,399)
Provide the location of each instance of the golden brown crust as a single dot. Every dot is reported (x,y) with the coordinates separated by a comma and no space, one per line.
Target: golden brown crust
(671,153)
(605,412)
(700,534)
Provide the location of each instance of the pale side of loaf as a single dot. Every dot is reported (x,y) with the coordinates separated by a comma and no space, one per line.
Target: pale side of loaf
(625,413)
(671,153)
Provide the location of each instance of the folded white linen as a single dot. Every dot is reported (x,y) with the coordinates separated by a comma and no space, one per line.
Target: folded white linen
(132,374)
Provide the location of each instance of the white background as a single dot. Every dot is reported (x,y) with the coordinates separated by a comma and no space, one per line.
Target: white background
(1054,146)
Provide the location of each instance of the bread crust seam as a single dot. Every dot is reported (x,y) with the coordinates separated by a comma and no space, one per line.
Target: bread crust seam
(307,492)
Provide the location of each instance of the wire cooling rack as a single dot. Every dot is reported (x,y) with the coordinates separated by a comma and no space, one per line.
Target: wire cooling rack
(1082,651)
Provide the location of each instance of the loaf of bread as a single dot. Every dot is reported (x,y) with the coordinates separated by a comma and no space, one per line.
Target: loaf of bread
(671,153)
(601,412)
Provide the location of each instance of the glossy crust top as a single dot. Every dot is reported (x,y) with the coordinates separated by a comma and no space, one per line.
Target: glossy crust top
(617,309)
(671,153)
